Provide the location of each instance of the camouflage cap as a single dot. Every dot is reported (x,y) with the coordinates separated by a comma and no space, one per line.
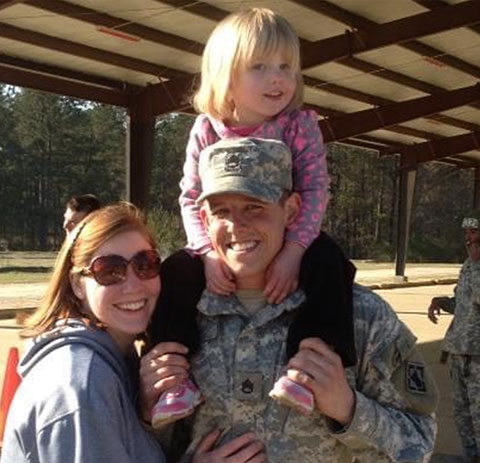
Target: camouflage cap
(255,167)
(472,219)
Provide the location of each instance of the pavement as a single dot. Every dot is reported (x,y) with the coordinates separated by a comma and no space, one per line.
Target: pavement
(409,298)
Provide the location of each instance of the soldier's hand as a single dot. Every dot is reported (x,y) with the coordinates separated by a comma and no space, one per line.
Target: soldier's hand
(434,311)
(320,369)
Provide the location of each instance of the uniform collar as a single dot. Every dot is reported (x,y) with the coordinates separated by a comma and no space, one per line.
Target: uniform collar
(213,305)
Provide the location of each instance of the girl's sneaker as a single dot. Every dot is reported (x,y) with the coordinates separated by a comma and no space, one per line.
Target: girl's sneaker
(176,403)
(293,395)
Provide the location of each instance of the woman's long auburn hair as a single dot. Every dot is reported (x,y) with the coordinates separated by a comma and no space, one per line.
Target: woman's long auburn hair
(76,253)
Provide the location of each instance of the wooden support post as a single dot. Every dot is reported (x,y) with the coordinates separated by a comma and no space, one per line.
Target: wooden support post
(408,174)
(140,144)
(476,188)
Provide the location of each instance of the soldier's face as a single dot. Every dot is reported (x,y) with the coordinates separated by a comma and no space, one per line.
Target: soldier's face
(247,233)
(472,238)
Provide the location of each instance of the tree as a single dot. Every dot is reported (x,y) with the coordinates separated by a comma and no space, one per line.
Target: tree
(62,147)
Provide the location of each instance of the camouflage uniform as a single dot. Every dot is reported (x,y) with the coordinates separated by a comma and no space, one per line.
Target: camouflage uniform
(463,343)
(241,356)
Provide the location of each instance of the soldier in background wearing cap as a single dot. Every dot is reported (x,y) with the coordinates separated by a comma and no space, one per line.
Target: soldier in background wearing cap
(379,410)
(462,341)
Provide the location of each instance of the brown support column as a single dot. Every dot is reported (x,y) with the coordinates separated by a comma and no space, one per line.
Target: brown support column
(408,174)
(140,143)
(476,188)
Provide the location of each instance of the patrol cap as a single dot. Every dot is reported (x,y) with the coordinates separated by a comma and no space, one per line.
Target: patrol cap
(472,219)
(255,167)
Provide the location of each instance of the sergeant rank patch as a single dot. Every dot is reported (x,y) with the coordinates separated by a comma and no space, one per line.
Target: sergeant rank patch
(415,378)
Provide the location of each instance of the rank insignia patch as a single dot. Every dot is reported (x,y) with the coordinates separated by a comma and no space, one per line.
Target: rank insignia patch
(416,378)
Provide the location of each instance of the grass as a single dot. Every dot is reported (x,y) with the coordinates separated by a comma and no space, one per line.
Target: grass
(25,267)
(35,267)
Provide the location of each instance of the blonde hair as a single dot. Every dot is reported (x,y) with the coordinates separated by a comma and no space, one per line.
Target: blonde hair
(235,43)
(76,253)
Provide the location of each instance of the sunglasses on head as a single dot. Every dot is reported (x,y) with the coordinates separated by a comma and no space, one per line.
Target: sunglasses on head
(112,269)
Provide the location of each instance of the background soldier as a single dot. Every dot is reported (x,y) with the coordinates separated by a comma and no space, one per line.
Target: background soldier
(462,341)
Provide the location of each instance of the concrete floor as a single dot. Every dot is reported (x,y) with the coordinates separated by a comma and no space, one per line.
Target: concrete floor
(409,302)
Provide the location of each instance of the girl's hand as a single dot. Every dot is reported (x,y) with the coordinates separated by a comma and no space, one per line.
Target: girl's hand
(220,279)
(283,272)
(243,449)
(320,369)
(163,367)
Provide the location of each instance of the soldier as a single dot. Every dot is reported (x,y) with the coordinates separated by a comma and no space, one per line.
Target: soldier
(380,410)
(462,341)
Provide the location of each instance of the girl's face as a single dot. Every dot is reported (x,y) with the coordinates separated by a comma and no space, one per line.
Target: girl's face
(124,308)
(262,89)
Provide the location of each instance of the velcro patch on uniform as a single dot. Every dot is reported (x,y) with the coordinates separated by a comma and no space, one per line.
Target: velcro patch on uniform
(415,378)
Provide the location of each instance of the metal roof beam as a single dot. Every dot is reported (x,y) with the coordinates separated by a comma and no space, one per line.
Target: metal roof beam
(84,51)
(55,71)
(379,101)
(435,4)
(205,10)
(359,122)
(333,114)
(201,9)
(457,162)
(392,76)
(443,147)
(4,4)
(371,35)
(60,86)
(95,18)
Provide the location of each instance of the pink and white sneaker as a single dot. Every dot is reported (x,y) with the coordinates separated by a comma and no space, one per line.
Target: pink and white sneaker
(176,403)
(293,395)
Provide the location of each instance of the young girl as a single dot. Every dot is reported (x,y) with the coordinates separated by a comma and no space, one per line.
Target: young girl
(77,401)
(251,85)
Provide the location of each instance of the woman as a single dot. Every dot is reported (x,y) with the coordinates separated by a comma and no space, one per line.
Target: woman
(77,400)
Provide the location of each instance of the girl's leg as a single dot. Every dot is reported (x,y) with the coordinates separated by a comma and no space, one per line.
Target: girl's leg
(175,320)
(176,311)
(327,279)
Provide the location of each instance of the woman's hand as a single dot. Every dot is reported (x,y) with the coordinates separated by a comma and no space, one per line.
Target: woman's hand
(163,367)
(243,449)
(320,369)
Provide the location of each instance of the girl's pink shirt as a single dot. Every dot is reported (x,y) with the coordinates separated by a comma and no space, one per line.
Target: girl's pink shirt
(300,132)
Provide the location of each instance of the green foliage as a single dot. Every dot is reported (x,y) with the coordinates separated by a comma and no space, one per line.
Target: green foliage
(443,195)
(54,147)
(168,230)
(171,136)
(361,212)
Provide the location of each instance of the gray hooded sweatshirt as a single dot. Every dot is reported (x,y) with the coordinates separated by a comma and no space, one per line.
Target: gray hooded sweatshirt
(76,403)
